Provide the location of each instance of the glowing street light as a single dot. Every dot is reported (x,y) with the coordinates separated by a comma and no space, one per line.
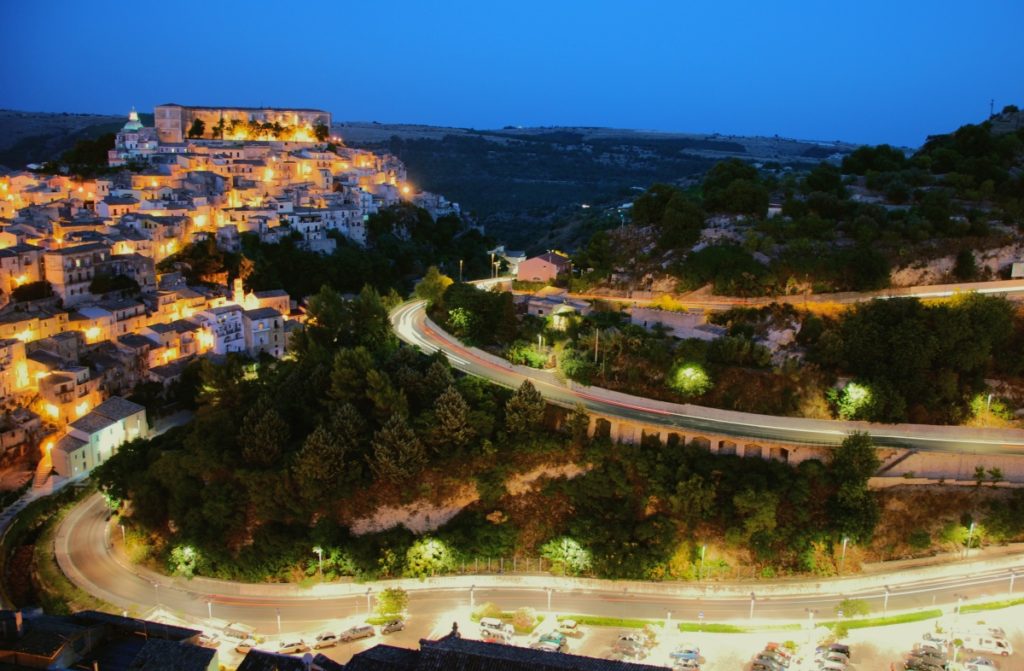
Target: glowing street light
(842,559)
(320,558)
(970,535)
(885,601)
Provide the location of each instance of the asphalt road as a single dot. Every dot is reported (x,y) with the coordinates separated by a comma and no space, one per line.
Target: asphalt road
(410,323)
(90,564)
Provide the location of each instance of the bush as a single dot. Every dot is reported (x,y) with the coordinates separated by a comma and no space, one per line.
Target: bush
(624,623)
(524,620)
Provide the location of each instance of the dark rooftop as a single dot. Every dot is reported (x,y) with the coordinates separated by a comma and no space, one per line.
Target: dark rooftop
(261,660)
(157,655)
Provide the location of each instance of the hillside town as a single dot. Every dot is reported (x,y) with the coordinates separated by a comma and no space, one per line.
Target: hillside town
(85,316)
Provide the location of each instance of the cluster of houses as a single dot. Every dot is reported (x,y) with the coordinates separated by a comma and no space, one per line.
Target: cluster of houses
(69,352)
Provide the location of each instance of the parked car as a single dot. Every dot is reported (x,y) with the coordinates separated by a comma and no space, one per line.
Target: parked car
(495,636)
(835,647)
(240,631)
(245,645)
(392,626)
(548,646)
(768,663)
(685,651)
(208,641)
(630,647)
(990,644)
(833,656)
(570,628)
(495,624)
(326,639)
(293,647)
(979,664)
(831,665)
(686,665)
(777,656)
(356,632)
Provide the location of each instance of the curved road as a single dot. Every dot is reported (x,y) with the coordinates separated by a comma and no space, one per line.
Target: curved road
(412,326)
(83,549)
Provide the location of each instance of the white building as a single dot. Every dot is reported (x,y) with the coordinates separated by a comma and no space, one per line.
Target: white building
(94,438)
(223,328)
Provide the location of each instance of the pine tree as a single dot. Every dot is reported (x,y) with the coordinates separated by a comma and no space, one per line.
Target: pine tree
(348,374)
(398,453)
(525,410)
(263,436)
(387,399)
(452,428)
(320,463)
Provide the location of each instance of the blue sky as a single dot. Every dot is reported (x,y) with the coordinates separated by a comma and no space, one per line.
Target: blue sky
(864,71)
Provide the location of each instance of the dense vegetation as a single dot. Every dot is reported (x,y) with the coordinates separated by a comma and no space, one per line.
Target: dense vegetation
(840,228)
(402,242)
(290,456)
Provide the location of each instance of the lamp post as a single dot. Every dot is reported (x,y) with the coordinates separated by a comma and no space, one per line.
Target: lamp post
(209,609)
(752,600)
(156,588)
(460,271)
(700,571)
(320,559)
(278,621)
(970,536)
(549,591)
(700,622)
(493,274)
(369,591)
(124,541)
(1013,575)
(885,602)
(472,603)
(842,557)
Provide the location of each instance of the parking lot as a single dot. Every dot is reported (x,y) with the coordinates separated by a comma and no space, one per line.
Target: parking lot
(875,649)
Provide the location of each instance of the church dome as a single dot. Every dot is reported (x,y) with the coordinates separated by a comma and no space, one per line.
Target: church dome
(133,122)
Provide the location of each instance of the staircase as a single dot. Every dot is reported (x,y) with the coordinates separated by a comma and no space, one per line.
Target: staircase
(893,463)
(43,471)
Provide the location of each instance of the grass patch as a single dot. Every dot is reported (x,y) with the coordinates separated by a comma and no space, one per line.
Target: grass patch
(991,605)
(37,525)
(866,622)
(625,623)
(382,619)
(713,627)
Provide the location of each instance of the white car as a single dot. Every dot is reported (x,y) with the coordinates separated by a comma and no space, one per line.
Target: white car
(246,645)
(979,664)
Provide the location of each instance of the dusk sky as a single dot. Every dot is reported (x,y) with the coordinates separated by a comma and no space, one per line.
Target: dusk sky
(865,71)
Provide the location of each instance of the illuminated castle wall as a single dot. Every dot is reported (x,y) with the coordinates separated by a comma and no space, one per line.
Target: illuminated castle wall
(173,121)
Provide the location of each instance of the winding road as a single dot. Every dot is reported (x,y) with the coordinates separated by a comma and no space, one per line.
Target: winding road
(412,325)
(83,549)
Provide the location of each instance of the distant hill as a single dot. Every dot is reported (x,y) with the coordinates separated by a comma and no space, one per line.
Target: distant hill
(527,185)
(35,137)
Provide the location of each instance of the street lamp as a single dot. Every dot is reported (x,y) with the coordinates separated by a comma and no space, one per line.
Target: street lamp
(493,274)
(700,571)
(278,621)
(209,609)
(1013,575)
(752,600)
(472,603)
(885,602)
(460,271)
(970,535)
(369,591)
(320,557)
(124,541)
(549,590)
(700,622)
(156,588)
(842,557)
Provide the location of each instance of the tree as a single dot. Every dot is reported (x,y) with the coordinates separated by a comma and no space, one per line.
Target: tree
(218,129)
(392,601)
(398,453)
(348,374)
(263,436)
(319,464)
(32,291)
(431,288)
(852,508)
(197,128)
(965,268)
(388,400)
(567,556)
(525,410)
(321,131)
(451,428)
(693,500)
(429,556)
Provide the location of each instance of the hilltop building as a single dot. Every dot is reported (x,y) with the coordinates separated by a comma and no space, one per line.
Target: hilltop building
(173,121)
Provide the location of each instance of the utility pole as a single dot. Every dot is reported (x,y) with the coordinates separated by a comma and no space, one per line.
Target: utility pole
(597,341)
